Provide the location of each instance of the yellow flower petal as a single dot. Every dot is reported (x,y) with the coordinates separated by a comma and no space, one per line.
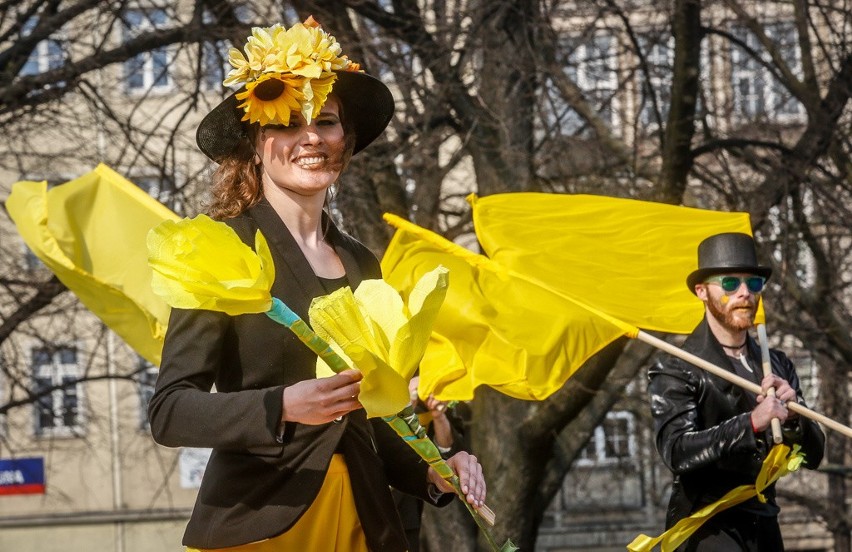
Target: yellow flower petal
(200,263)
(425,301)
(337,318)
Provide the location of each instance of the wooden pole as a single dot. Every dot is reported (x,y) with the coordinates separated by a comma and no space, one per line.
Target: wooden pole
(741,382)
(777,437)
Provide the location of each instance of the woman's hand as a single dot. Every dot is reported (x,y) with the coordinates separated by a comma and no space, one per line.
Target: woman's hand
(471,480)
(319,401)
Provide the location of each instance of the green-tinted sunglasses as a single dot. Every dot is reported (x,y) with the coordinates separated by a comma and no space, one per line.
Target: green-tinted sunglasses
(730,284)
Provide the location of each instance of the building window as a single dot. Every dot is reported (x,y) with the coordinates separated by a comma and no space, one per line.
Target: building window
(146,378)
(147,71)
(756,91)
(656,84)
(592,67)
(214,65)
(59,393)
(45,56)
(214,55)
(612,442)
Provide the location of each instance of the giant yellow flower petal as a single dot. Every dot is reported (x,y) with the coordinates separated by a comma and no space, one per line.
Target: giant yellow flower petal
(411,340)
(201,263)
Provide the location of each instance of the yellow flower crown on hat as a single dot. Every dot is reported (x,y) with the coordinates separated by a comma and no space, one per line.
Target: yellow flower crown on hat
(285,70)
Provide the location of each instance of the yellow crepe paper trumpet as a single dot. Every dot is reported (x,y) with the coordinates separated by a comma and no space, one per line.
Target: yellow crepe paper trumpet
(381,335)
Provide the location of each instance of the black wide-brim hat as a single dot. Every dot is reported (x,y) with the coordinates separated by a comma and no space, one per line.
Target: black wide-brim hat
(367,105)
(726,253)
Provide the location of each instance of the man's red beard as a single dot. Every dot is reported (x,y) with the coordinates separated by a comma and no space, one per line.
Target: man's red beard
(733,315)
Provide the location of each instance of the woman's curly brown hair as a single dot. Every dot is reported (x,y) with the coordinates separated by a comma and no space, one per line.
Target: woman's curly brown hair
(236,181)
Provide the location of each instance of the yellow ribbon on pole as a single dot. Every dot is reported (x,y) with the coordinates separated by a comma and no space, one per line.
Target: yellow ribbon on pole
(779,462)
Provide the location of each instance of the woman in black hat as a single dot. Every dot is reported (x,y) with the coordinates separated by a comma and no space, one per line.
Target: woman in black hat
(295,463)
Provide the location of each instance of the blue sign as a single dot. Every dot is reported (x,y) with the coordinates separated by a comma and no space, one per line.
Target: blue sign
(22,476)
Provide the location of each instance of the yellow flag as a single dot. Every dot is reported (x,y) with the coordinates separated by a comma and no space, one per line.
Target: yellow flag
(91,233)
(495,328)
(564,276)
(626,257)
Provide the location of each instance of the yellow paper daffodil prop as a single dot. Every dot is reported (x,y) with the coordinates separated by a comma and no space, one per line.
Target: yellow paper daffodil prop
(780,461)
(381,335)
(386,339)
(202,264)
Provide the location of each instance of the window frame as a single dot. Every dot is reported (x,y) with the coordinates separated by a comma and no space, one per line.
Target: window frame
(765,92)
(62,377)
(47,55)
(600,438)
(145,63)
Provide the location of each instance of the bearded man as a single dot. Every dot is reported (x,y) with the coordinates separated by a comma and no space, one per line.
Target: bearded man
(714,435)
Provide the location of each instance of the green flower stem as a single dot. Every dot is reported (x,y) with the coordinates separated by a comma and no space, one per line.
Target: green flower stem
(407,425)
(282,314)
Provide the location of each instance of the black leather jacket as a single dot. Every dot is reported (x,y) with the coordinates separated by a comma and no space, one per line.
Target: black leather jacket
(703,430)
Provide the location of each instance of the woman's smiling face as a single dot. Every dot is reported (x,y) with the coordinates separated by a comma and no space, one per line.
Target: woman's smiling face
(302,158)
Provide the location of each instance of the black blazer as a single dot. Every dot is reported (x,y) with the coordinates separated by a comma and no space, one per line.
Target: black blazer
(703,428)
(254,486)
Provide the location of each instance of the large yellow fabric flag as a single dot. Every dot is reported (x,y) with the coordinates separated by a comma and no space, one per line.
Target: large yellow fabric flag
(91,233)
(626,257)
(564,276)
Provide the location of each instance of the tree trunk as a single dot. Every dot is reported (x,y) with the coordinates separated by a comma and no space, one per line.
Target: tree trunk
(677,157)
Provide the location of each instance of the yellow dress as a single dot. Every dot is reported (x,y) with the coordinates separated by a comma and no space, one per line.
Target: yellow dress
(330,524)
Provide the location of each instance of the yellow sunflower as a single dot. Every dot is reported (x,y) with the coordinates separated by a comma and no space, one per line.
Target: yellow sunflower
(271,98)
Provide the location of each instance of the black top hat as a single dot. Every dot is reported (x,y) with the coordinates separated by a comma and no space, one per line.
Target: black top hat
(726,253)
(367,104)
